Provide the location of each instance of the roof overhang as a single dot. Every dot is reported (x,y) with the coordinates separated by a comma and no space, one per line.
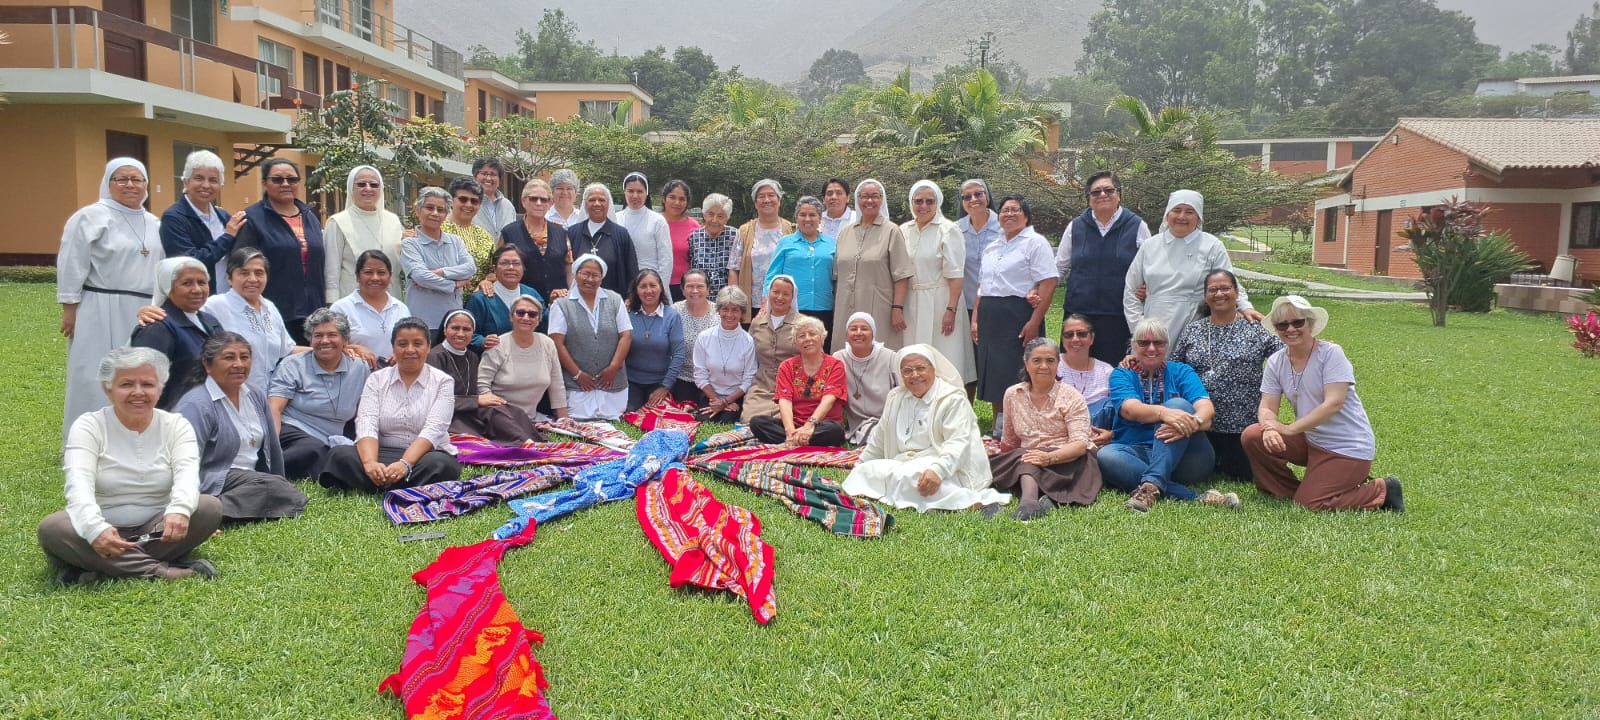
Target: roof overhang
(49,86)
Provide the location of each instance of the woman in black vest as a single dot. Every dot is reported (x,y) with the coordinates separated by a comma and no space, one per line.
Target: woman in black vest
(1093,257)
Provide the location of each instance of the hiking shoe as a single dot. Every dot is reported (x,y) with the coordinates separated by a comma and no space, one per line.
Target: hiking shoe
(1034,510)
(1212,497)
(200,566)
(76,576)
(1144,498)
(1393,500)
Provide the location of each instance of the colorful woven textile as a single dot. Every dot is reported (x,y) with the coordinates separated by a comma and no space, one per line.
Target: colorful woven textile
(806,494)
(809,455)
(707,543)
(467,655)
(598,432)
(654,454)
(474,450)
(737,437)
(438,501)
(666,415)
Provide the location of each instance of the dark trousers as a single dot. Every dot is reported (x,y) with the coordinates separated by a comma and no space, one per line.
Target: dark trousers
(769,430)
(303,455)
(1231,458)
(685,391)
(344,470)
(826,316)
(639,394)
(60,541)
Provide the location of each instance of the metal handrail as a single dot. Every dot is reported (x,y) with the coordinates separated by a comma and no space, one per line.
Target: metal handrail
(386,33)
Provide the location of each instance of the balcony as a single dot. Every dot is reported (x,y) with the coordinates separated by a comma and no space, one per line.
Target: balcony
(352,27)
(74,54)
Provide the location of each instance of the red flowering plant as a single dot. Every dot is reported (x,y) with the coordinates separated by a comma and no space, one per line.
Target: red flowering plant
(1586,334)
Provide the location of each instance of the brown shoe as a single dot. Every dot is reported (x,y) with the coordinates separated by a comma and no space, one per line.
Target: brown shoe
(1144,498)
(1212,497)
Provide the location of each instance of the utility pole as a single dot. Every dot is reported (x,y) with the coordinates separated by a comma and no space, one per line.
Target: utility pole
(983,51)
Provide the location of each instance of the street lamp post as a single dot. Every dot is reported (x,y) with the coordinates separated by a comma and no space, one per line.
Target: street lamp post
(983,52)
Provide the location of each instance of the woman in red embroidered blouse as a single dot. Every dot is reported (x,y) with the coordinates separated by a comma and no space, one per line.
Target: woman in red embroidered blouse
(810,386)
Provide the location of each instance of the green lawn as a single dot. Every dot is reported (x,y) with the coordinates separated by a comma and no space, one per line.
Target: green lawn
(1481,601)
(1321,275)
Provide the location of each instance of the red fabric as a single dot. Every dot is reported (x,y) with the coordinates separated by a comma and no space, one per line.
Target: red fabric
(707,543)
(806,392)
(467,656)
(665,415)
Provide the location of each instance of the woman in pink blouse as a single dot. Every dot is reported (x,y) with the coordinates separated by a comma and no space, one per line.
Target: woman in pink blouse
(1046,452)
(402,423)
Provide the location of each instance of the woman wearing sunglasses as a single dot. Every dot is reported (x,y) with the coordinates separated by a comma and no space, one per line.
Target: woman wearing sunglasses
(466,199)
(290,237)
(1330,437)
(524,369)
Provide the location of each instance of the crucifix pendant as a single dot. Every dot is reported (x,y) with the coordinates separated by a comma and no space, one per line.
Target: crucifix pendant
(145,252)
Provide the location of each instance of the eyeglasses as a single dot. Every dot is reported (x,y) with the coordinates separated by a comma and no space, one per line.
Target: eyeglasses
(924,201)
(974,195)
(537,199)
(469,200)
(874,196)
(590,275)
(283,180)
(368,184)
(1150,343)
(509,263)
(1296,323)
(1011,211)
(527,313)
(1219,289)
(128,180)
(1101,192)
(1073,334)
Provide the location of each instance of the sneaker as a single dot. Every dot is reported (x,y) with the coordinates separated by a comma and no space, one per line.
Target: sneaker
(1144,498)
(1212,497)
(1393,500)
(1034,510)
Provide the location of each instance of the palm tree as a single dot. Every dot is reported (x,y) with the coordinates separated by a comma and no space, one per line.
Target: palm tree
(1177,126)
(970,114)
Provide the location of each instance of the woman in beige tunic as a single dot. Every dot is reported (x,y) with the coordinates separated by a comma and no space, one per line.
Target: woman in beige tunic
(872,269)
(772,329)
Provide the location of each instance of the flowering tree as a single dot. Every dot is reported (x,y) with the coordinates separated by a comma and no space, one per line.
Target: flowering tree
(357,127)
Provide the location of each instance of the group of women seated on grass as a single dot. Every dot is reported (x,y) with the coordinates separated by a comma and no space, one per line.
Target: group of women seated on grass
(223,395)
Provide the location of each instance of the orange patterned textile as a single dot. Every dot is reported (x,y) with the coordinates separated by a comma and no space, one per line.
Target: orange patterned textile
(707,543)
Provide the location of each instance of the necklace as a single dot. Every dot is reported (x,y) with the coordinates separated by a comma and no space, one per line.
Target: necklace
(144,242)
(377,237)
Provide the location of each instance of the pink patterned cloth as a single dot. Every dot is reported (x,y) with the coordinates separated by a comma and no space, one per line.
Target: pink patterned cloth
(474,450)
(666,415)
(708,544)
(813,455)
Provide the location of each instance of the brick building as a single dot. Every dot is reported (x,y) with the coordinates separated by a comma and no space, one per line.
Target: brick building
(1542,177)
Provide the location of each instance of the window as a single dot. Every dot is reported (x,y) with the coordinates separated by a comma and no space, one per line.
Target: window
(400,97)
(1294,151)
(341,78)
(278,54)
(195,19)
(497,106)
(309,64)
(421,109)
(598,111)
(180,155)
(1585,225)
(1330,224)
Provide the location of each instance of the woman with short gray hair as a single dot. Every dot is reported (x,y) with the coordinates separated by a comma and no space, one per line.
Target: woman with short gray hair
(710,245)
(314,395)
(436,262)
(564,210)
(603,238)
(134,507)
(195,226)
(725,360)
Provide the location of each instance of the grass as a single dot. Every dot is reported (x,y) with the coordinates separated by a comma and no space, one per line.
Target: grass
(1320,275)
(1479,602)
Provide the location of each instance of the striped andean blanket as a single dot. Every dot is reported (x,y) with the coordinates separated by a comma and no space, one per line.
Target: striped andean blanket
(708,544)
(426,503)
(474,450)
(666,415)
(806,493)
(597,432)
(813,455)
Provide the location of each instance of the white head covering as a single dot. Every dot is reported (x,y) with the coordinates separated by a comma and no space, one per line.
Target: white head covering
(1185,197)
(870,323)
(578,265)
(857,195)
(942,367)
(167,273)
(446,322)
(350,188)
(946,380)
(636,175)
(767,289)
(938,196)
(105,184)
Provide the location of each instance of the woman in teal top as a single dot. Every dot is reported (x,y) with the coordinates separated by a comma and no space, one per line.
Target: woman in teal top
(807,256)
(492,311)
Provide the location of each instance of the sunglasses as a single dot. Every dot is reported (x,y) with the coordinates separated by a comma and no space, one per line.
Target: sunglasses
(1101,192)
(1150,343)
(281,180)
(527,313)
(1073,334)
(368,184)
(469,200)
(537,199)
(974,195)
(1296,323)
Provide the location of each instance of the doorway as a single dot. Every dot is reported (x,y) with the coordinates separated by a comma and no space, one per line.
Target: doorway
(124,55)
(1380,253)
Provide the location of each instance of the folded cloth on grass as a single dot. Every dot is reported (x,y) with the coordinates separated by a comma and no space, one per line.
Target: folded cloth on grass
(807,494)
(665,415)
(653,455)
(598,432)
(425,503)
(737,437)
(707,543)
(474,450)
(814,455)
(467,655)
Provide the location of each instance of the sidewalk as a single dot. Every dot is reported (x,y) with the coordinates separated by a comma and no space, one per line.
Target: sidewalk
(1325,290)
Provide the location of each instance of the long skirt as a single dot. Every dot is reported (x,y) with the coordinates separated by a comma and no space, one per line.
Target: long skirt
(894,481)
(1000,321)
(1075,482)
(251,495)
(507,424)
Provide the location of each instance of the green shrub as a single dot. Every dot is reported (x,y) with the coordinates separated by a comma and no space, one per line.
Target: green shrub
(28,273)
(1292,253)
(1491,261)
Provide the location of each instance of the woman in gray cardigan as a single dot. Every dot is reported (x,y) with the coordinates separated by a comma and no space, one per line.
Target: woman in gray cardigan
(237,436)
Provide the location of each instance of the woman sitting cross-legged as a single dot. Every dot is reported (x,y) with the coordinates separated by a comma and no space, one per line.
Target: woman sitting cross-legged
(524,369)
(1047,448)
(134,507)
(488,414)
(314,395)
(725,359)
(1330,437)
(403,424)
(810,385)
(929,453)
(1158,447)
(237,436)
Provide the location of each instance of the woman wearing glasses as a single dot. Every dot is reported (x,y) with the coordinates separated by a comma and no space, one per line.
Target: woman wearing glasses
(492,308)
(466,199)
(1227,351)
(524,369)
(364,224)
(592,333)
(1014,265)
(936,310)
(872,269)
(1094,255)
(290,237)
(1330,437)
(436,262)
(1159,449)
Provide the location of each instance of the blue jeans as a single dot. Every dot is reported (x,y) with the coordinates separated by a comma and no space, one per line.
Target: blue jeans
(1171,466)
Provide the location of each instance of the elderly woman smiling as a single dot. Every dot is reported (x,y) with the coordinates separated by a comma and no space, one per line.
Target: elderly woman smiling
(929,453)
(606,240)
(711,245)
(364,224)
(807,256)
(1330,437)
(195,226)
(314,395)
(1171,268)
(773,332)
(564,210)
(758,242)
(437,263)
(371,311)
(725,359)
(592,333)
(870,373)
(238,437)
(134,507)
(484,414)
(872,268)
(810,385)
(524,368)
(1047,440)
(181,291)
(935,303)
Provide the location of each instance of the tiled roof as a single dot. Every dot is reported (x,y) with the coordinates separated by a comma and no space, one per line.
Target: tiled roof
(1515,143)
